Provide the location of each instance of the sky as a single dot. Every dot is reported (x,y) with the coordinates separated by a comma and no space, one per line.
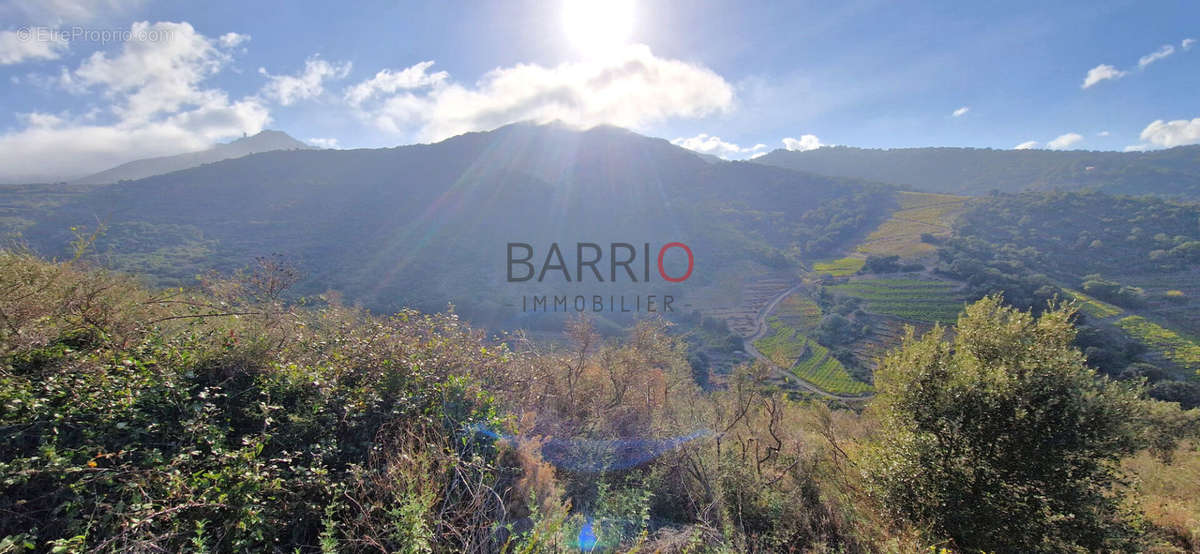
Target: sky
(90,84)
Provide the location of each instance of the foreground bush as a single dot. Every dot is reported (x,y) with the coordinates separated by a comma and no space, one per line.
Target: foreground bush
(1004,441)
(138,421)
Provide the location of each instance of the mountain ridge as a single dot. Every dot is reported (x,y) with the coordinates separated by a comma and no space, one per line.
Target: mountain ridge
(1173,172)
(412,211)
(264,141)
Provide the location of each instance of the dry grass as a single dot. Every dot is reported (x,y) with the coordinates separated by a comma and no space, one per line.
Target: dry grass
(919,213)
(1168,492)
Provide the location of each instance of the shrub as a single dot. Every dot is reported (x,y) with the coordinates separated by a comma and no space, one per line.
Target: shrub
(972,446)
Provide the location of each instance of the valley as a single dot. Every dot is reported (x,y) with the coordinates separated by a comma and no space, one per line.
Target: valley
(864,260)
(758,293)
(599,277)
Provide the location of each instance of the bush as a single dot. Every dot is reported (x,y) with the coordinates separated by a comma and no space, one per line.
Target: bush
(971,447)
(1176,296)
(881,264)
(140,420)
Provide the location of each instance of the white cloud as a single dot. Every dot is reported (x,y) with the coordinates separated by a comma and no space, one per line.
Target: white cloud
(150,100)
(323,142)
(1164,51)
(707,144)
(632,88)
(805,142)
(310,83)
(1103,134)
(35,43)
(154,76)
(961,111)
(230,40)
(388,82)
(1027,145)
(1104,72)
(1172,133)
(1101,72)
(1065,141)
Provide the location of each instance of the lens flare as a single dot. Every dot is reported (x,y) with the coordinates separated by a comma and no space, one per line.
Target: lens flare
(587,537)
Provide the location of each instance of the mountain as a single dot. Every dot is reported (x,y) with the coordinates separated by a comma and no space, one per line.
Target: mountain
(425,225)
(264,141)
(1173,172)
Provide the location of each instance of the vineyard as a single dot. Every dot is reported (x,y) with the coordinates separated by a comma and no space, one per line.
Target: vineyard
(919,213)
(1094,308)
(800,312)
(782,344)
(789,348)
(839,268)
(917,300)
(1175,347)
(819,368)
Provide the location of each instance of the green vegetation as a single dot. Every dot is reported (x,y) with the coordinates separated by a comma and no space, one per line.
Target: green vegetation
(138,420)
(1177,348)
(818,367)
(1018,243)
(927,301)
(224,419)
(970,447)
(1094,308)
(786,347)
(841,267)
(783,344)
(1125,253)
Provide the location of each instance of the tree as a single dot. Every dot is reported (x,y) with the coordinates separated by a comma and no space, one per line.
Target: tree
(1003,440)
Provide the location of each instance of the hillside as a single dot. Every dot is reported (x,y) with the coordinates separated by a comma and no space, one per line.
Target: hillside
(264,141)
(1132,261)
(1129,262)
(1173,172)
(384,225)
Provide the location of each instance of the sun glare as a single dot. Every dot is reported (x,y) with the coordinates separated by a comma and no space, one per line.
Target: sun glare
(597,28)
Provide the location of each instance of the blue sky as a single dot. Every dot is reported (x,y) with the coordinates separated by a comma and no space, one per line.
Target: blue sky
(872,74)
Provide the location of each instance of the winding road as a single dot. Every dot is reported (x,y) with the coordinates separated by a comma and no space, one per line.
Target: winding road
(761,327)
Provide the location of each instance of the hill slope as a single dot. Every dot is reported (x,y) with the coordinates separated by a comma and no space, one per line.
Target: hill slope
(424,225)
(264,141)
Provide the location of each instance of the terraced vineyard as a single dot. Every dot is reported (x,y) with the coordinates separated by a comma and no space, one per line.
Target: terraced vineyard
(819,368)
(782,344)
(919,213)
(1094,308)
(754,295)
(913,299)
(1175,347)
(800,312)
(839,268)
(787,347)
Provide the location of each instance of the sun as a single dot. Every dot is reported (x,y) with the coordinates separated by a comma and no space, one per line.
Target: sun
(597,27)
